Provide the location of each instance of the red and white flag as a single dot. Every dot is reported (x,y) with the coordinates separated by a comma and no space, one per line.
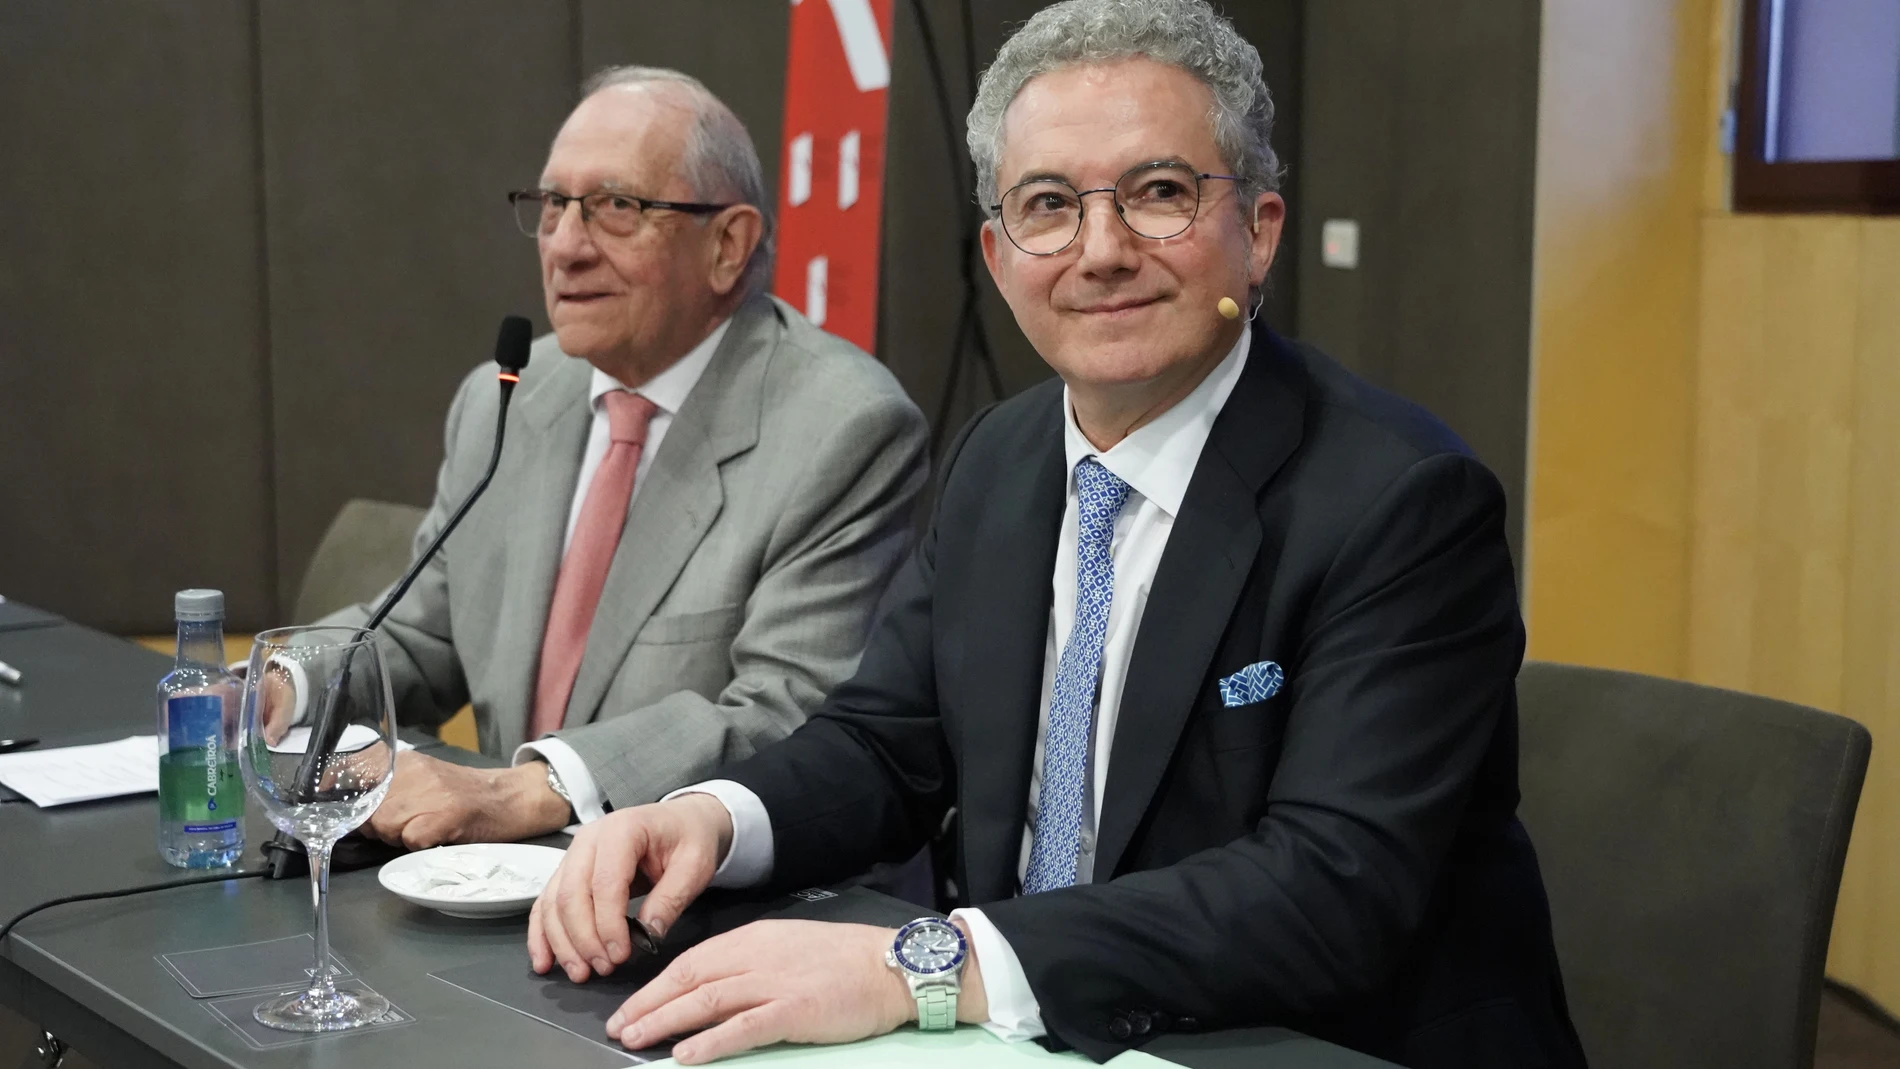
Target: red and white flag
(831,186)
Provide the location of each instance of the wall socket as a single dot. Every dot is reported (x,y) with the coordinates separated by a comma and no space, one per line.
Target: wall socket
(1339,244)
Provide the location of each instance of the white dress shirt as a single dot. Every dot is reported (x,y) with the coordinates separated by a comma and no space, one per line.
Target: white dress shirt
(1157,462)
(668,391)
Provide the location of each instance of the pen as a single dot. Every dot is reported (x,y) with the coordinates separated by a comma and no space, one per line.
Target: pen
(9,674)
(10,745)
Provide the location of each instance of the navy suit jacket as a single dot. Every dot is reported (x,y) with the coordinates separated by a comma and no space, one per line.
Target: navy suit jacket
(1343,858)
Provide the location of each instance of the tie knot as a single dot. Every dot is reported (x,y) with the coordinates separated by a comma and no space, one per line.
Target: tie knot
(628,415)
(1099,493)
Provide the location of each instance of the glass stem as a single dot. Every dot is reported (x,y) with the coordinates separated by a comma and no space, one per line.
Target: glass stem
(322,984)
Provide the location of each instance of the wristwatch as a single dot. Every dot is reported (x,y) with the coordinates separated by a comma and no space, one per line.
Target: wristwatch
(930,953)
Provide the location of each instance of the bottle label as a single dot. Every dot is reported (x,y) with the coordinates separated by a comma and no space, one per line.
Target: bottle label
(193,720)
(199,781)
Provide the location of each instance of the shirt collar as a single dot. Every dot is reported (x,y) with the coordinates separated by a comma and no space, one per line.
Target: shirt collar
(1158,459)
(669,388)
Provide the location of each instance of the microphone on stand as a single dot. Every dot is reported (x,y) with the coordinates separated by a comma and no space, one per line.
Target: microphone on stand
(285,853)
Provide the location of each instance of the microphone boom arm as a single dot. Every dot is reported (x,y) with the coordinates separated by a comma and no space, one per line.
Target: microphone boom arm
(494,462)
(327,726)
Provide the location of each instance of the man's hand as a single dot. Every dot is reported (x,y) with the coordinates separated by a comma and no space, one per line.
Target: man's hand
(770,981)
(780,981)
(277,697)
(580,920)
(432,802)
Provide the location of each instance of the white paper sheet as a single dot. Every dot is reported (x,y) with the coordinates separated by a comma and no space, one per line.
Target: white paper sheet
(68,774)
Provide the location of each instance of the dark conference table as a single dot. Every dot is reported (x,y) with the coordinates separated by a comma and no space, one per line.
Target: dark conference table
(89,972)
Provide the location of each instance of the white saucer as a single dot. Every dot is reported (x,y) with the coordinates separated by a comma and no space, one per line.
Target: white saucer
(536,861)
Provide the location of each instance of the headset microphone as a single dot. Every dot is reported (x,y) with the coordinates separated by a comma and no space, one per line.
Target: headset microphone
(1227,306)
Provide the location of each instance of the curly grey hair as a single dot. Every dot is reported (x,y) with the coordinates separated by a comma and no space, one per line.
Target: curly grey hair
(1188,34)
(720,161)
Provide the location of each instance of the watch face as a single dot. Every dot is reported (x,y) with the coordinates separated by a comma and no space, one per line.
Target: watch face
(929,946)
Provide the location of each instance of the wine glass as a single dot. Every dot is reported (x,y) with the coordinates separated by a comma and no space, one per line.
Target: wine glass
(317,747)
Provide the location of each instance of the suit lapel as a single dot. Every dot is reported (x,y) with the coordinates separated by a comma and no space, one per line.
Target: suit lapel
(678,499)
(1002,670)
(547,435)
(1210,551)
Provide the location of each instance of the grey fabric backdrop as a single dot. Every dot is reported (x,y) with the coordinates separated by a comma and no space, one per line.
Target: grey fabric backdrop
(253,244)
(391,132)
(1421,123)
(134,440)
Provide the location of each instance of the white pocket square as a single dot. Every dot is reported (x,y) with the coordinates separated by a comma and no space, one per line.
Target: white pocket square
(1254,683)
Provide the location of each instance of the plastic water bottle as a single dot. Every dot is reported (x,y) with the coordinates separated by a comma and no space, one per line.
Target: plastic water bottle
(200,793)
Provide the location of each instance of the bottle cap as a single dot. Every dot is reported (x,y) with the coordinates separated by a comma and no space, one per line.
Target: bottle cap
(199,605)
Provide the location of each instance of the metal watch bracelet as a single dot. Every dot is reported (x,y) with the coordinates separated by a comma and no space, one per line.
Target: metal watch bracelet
(936,1008)
(555,785)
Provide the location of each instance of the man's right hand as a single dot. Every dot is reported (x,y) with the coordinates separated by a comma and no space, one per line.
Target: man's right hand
(580,920)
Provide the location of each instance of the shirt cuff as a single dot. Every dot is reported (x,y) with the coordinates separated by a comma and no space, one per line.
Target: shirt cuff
(299,682)
(582,792)
(748,861)
(1015,1015)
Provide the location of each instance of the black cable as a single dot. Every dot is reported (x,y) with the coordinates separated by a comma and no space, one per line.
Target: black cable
(327,727)
(970,250)
(123,892)
(511,353)
(969,46)
(942,89)
(488,476)
(969,217)
(954,377)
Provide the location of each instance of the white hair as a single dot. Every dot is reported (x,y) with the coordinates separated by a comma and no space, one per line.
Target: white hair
(1188,34)
(720,161)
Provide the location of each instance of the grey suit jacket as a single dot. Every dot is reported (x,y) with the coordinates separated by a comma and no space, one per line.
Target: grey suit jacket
(777,508)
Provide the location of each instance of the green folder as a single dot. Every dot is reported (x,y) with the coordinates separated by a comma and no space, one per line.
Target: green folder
(968,1047)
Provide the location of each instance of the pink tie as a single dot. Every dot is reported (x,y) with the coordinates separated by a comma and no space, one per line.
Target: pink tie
(589,554)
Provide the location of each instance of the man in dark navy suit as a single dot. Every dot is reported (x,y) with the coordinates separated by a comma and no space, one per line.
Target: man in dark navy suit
(1210,645)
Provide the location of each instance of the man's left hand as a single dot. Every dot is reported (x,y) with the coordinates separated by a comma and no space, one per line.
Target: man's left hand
(770,981)
(432,802)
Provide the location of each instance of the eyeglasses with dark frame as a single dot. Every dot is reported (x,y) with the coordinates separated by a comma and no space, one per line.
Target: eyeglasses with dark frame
(1158,200)
(538,211)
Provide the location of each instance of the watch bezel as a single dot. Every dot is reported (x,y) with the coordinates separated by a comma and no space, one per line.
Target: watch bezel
(907,931)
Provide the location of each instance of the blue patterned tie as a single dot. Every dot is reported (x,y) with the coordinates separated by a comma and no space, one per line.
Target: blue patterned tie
(1099,497)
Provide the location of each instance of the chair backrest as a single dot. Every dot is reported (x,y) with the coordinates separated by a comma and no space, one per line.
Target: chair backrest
(364,551)
(1691,841)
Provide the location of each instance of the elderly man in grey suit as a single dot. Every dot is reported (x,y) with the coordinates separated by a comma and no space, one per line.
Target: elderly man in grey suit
(701,496)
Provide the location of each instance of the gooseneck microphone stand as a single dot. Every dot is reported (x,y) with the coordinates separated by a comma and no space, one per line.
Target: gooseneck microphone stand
(286,854)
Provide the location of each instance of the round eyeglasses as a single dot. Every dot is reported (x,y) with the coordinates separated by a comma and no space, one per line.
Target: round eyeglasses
(1042,216)
(538,212)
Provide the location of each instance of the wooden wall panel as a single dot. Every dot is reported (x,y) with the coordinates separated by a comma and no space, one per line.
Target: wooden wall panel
(1767,598)
(1867,928)
(1795,589)
(1621,137)
(1716,423)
